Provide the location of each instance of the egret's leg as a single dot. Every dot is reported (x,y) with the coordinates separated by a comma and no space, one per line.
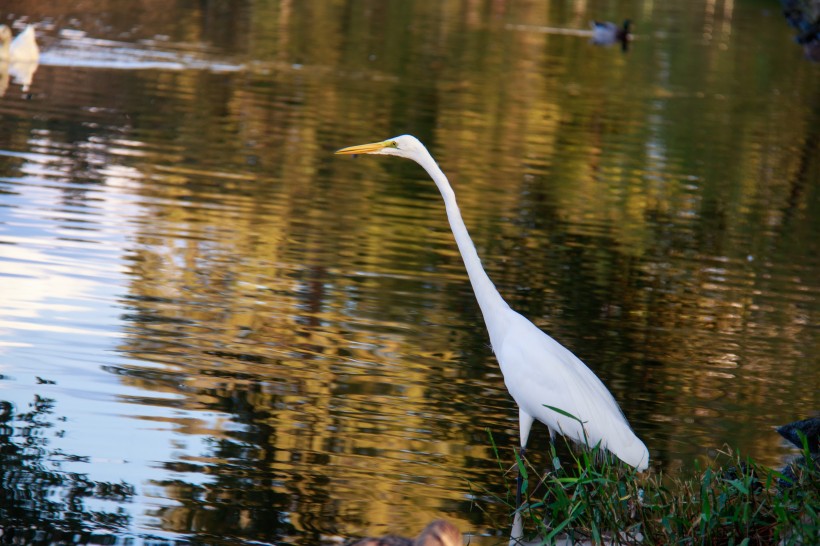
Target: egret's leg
(524,425)
(556,463)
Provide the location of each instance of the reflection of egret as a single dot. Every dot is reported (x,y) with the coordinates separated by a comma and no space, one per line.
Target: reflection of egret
(537,369)
(606,33)
(19,57)
(437,533)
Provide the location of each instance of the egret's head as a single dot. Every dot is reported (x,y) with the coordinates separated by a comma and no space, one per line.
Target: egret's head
(402,146)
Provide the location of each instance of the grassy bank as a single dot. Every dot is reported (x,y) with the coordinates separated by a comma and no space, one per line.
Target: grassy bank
(734,501)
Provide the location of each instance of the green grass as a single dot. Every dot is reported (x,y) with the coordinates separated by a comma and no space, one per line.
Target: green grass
(734,501)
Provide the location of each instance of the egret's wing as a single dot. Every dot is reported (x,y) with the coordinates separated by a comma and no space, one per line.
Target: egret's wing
(539,371)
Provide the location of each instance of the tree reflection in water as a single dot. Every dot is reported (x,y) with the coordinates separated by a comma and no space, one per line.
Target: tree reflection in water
(39,502)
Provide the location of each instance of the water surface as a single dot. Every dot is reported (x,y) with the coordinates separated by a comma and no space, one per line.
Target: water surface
(214,330)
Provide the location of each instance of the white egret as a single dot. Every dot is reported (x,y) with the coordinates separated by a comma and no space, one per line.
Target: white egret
(538,371)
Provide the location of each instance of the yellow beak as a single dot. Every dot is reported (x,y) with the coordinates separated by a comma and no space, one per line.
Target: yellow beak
(365,148)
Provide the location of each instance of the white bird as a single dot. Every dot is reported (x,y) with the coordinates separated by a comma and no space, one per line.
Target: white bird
(19,58)
(537,370)
(22,49)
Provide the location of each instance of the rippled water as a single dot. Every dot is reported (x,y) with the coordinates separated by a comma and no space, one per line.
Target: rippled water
(212,329)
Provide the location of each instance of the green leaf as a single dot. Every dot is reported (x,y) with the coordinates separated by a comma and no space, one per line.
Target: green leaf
(549,538)
(521,468)
(495,449)
(564,413)
(740,486)
(706,508)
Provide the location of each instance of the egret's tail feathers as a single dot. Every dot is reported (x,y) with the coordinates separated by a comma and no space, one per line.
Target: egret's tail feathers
(610,433)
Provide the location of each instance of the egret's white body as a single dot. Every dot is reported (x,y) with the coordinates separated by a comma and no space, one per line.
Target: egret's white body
(538,371)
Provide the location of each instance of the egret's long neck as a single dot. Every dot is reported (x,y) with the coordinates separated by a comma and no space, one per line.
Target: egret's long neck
(489,299)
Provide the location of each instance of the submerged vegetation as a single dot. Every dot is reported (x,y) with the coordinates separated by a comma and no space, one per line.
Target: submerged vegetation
(734,501)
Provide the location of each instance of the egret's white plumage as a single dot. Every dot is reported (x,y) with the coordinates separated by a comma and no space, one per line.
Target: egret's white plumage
(537,370)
